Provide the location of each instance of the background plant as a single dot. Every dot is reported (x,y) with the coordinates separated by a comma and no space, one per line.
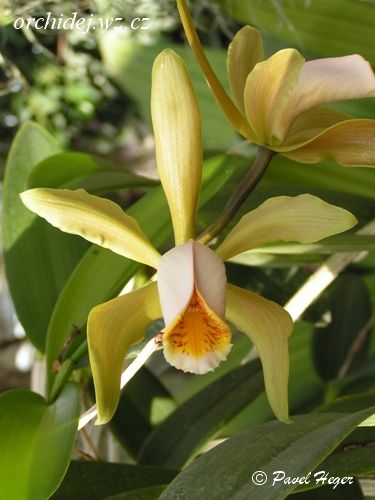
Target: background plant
(94,98)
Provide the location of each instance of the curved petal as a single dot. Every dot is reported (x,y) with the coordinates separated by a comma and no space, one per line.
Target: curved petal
(350,143)
(112,328)
(268,326)
(98,220)
(224,101)
(244,52)
(192,285)
(331,79)
(197,341)
(177,128)
(304,219)
(267,90)
(185,268)
(311,123)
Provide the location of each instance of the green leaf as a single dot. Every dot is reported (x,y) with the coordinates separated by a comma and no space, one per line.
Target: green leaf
(101,274)
(131,65)
(144,404)
(196,421)
(342,492)
(295,449)
(100,480)
(350,308)
(38,258)
(339,243)
(36,442)
(334,28)
(80,170)
(326,175)
(355,457)
(149,493)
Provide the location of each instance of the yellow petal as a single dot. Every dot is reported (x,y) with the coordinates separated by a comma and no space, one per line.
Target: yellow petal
(268,326)
(177,128)
(327,80)
(304,219)
(224,101)
(267,90)
(311,123)
(244,52)
(112,328)
(98,220)
(350,143)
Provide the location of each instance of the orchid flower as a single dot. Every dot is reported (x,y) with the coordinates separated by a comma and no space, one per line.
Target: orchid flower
(277,101)
(191,292)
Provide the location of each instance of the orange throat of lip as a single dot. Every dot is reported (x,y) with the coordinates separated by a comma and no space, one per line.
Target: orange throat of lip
(197,340)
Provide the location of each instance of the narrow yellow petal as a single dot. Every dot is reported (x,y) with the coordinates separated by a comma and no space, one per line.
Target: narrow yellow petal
(244,52)
(198,340)
(112,328)
(177,128)
(267,91)
(303,219)
(98,220)
(268,326)
(224,101)
(350,143)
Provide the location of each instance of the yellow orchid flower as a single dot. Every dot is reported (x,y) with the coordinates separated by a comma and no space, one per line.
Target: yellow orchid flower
(191,293)
(277,101)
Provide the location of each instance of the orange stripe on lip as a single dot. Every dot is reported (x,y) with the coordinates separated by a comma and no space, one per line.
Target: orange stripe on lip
(198,340)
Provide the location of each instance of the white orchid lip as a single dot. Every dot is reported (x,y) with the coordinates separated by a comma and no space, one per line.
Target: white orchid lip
(192,287)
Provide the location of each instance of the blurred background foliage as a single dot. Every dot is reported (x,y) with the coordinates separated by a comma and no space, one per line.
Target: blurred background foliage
(92,93)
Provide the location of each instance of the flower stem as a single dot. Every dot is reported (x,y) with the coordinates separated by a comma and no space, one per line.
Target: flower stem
(240,194)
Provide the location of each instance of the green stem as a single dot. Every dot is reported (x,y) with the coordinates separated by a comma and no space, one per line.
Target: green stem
(240,194)
(66,370)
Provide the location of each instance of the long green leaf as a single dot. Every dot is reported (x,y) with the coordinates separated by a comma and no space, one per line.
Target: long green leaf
(341,492)
(80,170)
(350,307)
(334,28)
(148,493)
(100,480)
(36,442)
(296,449)
(38,258)
(197,420)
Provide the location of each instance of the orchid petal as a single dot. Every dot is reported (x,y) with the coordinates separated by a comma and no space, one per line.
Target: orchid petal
(244,52)
(350,143)
(224,101)
(267,90)
(198,340)
(98,220)
(177,128)
(311,123)
(327,80)
(112,328)
(268,326)
(192,285)
(184,268)
(304,219)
